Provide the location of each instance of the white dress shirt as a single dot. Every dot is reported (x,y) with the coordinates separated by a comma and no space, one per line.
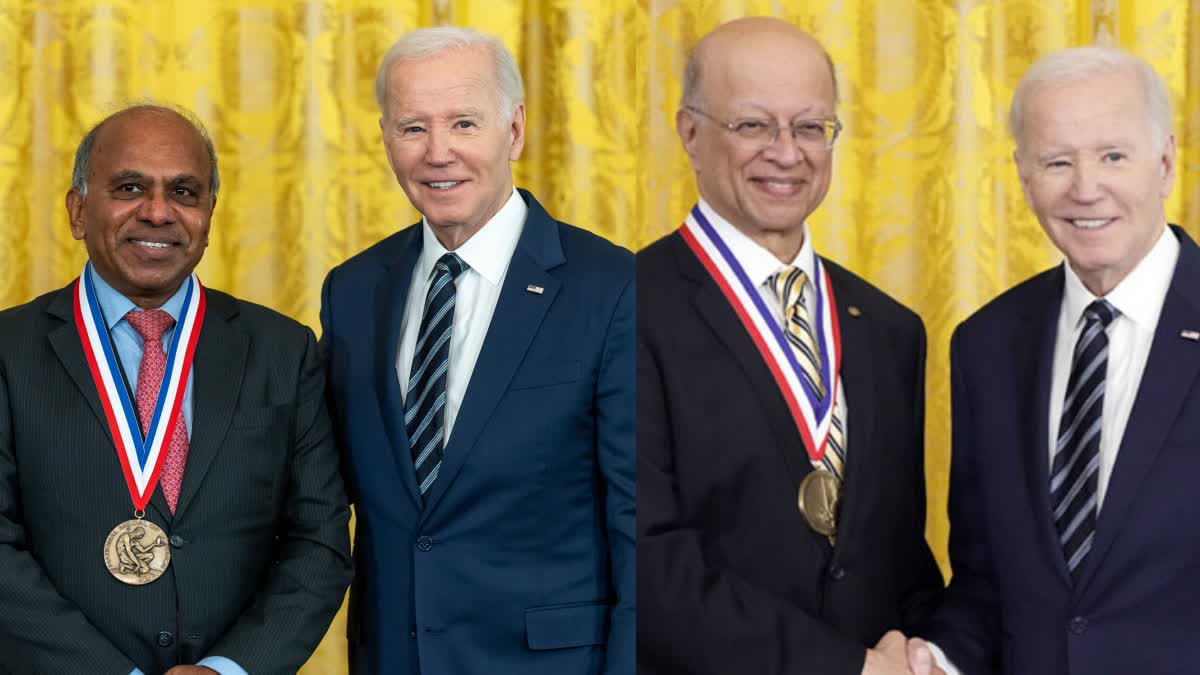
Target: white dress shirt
(1138,300)
(759,265)
(477,288)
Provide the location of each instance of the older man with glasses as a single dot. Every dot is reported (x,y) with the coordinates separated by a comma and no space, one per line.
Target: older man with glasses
(781,500)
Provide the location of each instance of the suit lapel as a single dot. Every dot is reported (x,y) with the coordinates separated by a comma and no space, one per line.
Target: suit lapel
(1171,371)
(1033,350)
(391,294)
(862,464)
(714,309)
(217,368)
(517,318)
(65,342)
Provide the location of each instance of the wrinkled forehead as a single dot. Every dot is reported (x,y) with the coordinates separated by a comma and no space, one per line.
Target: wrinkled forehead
(456,78)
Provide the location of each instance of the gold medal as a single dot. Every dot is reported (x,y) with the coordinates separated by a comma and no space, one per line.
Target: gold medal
(136,552)
(818,501)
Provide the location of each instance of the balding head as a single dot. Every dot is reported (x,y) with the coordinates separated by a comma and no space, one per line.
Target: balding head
(742,35)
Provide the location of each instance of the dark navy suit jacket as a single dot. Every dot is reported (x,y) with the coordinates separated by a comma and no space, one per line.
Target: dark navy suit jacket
(1012,606)
(520,558)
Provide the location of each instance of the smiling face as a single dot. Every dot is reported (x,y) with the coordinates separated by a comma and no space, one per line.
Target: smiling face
(760,70)
(448,142)
(1094,175)
(146,215)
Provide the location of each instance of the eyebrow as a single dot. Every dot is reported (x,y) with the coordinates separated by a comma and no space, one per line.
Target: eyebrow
(134,175)
(453,115)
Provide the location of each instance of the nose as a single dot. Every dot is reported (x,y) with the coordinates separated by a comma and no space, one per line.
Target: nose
(156,209)
(783,149)
(439,148)
(1085,182)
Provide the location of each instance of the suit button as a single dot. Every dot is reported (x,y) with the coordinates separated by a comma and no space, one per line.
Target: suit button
(176,541)
(165,639)
(425,543)
(837,572)
(1078,625)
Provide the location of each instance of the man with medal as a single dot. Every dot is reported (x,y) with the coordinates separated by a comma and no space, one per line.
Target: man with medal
(169,490)
(781,501)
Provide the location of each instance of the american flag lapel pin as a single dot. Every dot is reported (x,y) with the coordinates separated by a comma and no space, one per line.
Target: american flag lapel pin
(537,290)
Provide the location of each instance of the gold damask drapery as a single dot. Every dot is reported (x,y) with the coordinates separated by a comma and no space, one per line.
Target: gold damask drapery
(925,201)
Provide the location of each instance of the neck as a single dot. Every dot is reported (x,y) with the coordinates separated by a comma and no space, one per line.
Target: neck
(785,246)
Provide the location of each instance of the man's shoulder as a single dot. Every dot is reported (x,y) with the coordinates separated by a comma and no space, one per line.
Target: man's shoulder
(851,289)
(31,317)
(387,249)
(251,316)
(1025,298)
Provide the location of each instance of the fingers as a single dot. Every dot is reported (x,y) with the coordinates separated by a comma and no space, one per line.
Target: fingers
(920,659)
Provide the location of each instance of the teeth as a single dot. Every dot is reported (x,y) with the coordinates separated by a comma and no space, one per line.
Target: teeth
(151,244)
(443,184)
(1091,223)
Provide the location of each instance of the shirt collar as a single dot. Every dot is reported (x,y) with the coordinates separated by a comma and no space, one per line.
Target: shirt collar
(489,250)
(115,306)
(758,263)
(1140,295)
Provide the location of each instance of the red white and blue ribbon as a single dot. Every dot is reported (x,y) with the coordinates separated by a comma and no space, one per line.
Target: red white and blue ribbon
(812,415)
(141,457)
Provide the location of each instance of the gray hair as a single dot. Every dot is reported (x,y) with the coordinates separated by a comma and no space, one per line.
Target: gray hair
(690,96)
(83,153)
(425,42)
(1072,65)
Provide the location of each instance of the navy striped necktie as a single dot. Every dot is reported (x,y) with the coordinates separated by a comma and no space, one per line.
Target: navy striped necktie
(425,405)
(1073,476)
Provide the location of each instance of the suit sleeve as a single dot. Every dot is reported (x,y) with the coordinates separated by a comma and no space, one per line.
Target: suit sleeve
(40,630)
(617,449)
(966,626)
(281,628)
(921,584)
(695,615)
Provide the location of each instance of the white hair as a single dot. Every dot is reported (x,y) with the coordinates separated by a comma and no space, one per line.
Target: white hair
(1072,65)
(425,42)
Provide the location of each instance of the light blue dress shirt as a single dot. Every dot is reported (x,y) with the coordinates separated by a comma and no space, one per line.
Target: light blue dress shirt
(128,345)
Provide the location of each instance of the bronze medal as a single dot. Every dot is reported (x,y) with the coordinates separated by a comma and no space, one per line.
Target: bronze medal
(818,500)
(136,552)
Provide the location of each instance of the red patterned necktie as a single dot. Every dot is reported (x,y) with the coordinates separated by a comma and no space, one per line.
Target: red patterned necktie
(151,324)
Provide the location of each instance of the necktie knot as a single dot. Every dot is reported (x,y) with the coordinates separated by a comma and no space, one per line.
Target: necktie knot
(1102,311)
(788,284)
(151,324)
(450,264)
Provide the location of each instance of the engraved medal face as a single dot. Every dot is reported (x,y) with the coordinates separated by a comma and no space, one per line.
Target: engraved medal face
(818,501)
(136,552)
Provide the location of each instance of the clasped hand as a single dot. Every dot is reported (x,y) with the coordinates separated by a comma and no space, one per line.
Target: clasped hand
(897,655)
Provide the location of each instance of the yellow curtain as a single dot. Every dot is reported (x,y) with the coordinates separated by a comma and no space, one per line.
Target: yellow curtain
(925,201)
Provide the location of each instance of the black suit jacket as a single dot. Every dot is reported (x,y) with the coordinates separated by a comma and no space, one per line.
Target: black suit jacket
(259,557)
(1013,606)
(730,577)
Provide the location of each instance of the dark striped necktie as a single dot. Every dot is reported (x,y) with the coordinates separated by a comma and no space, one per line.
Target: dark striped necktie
(1073,475)
(788,285)
(425,405)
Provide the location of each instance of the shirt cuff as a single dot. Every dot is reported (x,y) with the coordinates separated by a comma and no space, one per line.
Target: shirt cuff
(939,657)
(226,667)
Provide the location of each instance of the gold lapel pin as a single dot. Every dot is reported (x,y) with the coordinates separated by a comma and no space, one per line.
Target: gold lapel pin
(854,311)
(535,289)
(1192,335)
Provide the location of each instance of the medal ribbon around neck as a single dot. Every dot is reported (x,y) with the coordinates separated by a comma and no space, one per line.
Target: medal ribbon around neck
(813,416)
(141,458)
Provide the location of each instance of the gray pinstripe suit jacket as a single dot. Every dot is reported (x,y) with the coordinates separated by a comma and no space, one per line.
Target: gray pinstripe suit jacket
(260,547)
